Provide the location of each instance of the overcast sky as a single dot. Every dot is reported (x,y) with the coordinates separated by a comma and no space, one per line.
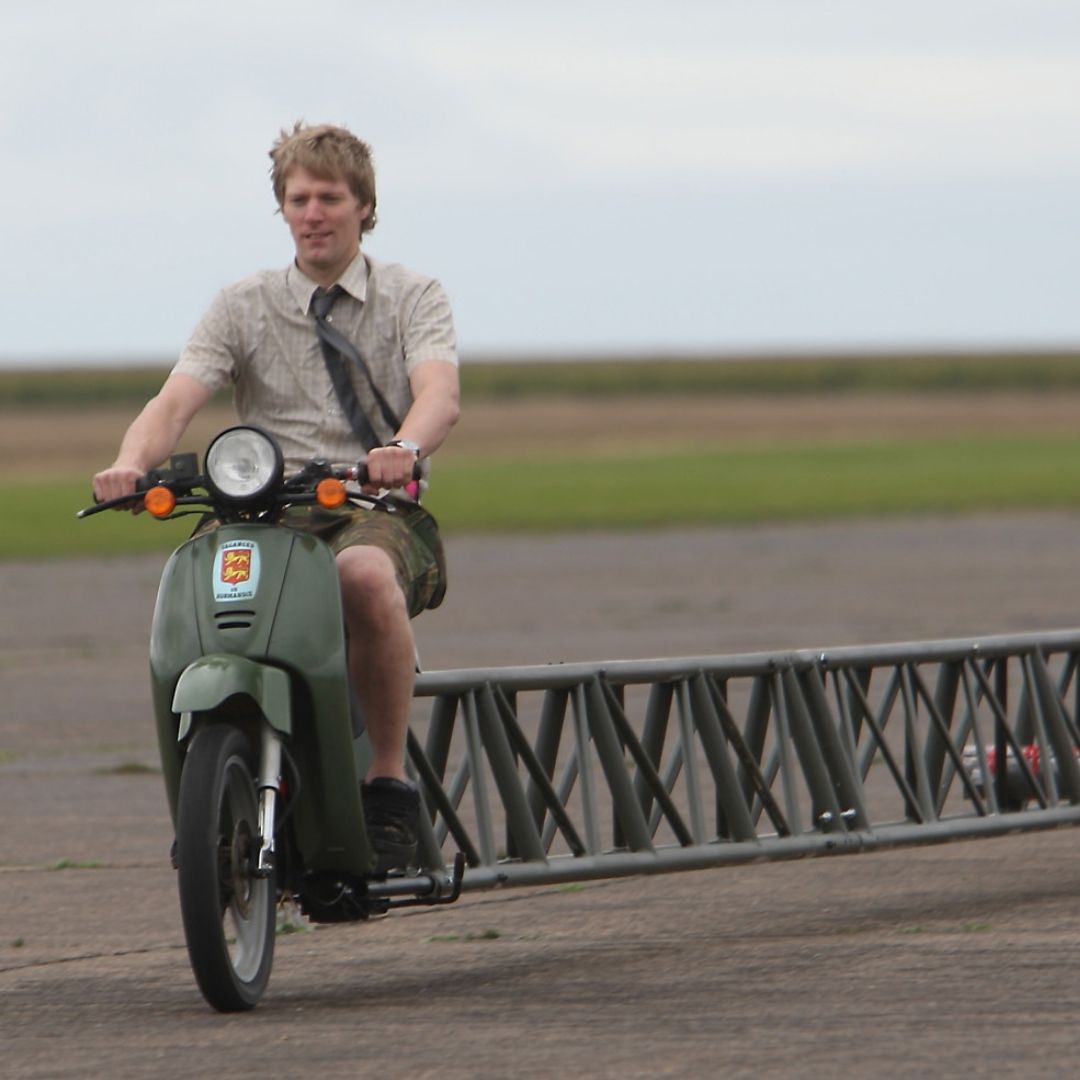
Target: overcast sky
(582,176)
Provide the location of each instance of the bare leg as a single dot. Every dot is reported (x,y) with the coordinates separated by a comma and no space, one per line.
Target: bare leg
(382,653)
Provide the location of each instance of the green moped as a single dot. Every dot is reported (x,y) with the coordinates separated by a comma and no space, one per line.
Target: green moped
(262,748)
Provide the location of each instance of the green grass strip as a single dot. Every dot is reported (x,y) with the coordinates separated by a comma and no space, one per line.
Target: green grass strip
(772,483)
(40,523)
(767,483)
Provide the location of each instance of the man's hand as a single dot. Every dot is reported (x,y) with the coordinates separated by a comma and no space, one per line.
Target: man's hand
(389,467)
(115,482)
(152,437)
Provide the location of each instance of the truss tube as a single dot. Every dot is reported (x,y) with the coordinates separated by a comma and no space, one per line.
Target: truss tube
(434,801)
(485,822)
(785,750)
(671,775)
(966,728)
(586,778)
(825,809)
(939,740)
(882,762)
(989,790)
(1004,738)
(539,779)
(836,760)
(1001,730)
(688,748)
(644,672)
(858,692)
(657,712)
(1057,729)
(914,742)
(752,783)
(562,793)
(737,822)
(877,742)
(1062,692)
(440,732)
(552,718)
(943,701)
(757,719)
(626,806)
(647,775)
(705,856)
(521,825)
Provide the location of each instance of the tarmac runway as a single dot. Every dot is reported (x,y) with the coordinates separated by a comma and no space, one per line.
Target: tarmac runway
(938,961)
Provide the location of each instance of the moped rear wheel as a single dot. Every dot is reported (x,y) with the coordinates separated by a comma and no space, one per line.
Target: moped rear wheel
(228,912)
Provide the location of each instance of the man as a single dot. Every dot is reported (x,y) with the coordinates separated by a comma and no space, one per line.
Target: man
(261,335)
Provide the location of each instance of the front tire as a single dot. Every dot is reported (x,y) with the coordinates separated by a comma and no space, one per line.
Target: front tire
(228,912)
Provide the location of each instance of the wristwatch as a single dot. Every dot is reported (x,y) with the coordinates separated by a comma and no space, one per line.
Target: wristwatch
(408,444)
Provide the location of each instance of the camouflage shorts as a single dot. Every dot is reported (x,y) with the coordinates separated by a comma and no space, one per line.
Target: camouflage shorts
(408,534)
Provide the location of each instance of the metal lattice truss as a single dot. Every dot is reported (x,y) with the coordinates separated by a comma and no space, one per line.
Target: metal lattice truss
(577,771)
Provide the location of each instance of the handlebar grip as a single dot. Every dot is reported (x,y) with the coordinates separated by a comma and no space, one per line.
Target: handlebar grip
(362,472)
(142,485)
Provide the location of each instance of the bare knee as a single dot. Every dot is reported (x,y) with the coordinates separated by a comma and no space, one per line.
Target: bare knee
(369,586)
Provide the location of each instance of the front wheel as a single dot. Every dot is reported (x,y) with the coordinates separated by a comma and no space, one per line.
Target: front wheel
(228,911)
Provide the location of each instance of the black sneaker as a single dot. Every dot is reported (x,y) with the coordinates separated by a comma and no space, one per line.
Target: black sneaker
(392,814)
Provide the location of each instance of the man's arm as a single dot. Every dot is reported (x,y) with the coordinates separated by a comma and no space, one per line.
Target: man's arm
(434,411)
(153,435)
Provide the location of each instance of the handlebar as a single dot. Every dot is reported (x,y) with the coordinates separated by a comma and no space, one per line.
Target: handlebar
(182,480)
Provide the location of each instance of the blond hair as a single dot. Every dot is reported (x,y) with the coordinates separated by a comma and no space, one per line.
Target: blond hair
(330,153)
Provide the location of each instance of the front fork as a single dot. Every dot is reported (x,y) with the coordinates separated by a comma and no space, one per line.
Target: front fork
(269,788)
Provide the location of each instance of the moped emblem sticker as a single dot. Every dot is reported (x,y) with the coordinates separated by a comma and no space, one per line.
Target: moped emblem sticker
(236,571)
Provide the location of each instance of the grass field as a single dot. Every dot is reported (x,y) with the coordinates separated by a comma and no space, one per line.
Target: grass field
(582,446)
(618,376)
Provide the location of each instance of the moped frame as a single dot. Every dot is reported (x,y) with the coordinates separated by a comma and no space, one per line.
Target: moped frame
(270,658)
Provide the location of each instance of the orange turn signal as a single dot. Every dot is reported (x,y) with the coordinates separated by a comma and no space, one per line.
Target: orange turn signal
(160,501)
(330,493)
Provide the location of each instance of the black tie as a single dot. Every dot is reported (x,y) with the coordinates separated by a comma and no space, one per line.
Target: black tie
(322,300)
(339,354)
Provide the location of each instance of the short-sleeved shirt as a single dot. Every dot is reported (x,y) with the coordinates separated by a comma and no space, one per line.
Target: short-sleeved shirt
(259,335)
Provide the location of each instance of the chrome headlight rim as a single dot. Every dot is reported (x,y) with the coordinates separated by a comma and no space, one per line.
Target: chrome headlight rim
(243,464)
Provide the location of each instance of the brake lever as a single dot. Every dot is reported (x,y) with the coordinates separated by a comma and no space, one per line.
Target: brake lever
(109,504)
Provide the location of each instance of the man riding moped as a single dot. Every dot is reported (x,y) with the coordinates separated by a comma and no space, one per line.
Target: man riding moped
(338,356)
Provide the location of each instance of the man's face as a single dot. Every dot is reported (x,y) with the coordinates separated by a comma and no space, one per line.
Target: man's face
(324,217)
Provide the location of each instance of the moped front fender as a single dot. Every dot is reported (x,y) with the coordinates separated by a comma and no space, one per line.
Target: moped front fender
(209,681)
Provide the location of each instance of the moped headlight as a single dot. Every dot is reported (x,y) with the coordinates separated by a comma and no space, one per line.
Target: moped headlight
(243,464)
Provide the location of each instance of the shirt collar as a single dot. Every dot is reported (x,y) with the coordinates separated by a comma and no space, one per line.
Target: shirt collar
(353,280)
